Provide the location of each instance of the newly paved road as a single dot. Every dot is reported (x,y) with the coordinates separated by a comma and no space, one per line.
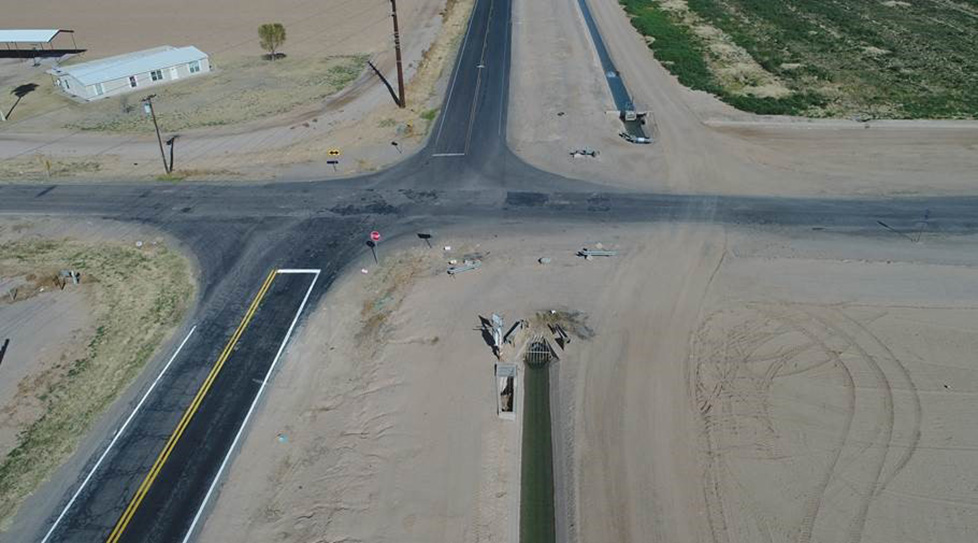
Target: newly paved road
(150,485)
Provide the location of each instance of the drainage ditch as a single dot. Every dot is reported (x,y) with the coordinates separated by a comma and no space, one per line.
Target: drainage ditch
(537,475)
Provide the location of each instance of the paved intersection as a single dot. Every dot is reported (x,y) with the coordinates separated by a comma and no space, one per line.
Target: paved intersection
(240,234)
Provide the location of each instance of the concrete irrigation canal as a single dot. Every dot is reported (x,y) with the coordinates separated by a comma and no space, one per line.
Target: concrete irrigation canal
(537,474)
(632,120)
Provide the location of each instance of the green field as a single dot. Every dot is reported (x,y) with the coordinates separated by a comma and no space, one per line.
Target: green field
(871,58)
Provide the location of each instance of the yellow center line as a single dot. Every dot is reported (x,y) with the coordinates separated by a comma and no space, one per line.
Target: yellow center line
(143,489)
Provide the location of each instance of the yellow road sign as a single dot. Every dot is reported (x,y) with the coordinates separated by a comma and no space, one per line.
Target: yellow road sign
(334,152)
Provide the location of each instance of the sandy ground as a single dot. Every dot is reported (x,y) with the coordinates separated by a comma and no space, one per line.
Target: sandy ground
(45,330)
(740,385)
(361,120)
(779,387)
(73,350)
(560,102)
(226,27)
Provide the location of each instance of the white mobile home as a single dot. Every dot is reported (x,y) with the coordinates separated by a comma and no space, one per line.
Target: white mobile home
(133,71)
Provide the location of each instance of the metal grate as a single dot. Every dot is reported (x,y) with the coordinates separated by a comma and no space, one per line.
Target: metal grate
(539,353)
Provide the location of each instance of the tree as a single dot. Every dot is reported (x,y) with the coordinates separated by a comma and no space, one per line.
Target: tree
(271,36)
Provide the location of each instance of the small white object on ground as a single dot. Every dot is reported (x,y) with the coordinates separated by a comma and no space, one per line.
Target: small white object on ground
(139,244)
(448,247)
(364,271)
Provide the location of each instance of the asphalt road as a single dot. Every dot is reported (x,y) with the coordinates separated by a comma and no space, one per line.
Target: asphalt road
(241,233)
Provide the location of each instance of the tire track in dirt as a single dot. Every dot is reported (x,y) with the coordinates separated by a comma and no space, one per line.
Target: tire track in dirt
(705,398)
(729,376)
(904,374)
(721,369)
(740,346)
(885,424)
(814,502)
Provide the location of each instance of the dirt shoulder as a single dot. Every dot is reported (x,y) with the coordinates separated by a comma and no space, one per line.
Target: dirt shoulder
(74,347)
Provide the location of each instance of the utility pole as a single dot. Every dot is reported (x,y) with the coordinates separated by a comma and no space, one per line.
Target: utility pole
(148,108)
(397,52)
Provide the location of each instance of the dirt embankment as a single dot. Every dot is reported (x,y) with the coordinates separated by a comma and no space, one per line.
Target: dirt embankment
(74,347)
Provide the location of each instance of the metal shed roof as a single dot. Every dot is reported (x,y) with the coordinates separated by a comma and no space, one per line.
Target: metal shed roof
(109,69)
(28,36)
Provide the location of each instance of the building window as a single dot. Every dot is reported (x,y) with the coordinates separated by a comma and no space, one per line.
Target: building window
(67,86)
(194,66)
(99,89)
(132,81)
(156,75)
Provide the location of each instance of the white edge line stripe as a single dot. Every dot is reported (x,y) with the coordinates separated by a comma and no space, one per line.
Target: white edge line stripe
(251,410)
(448,154)
(505,87)
(116,437)
(478,79)
(317,272)
(461,55)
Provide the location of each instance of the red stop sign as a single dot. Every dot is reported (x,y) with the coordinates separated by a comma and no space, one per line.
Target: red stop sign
(375,236)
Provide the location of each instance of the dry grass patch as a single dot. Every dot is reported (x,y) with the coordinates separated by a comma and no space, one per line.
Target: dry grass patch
(386,288)
(237,92)
(732,66)
(41,167)
(137,297)
(419,116)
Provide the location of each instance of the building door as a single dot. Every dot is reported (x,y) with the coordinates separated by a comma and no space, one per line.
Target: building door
(173,73)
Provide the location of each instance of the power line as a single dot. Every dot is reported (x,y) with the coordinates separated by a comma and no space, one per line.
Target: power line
(296,22)
(206,104)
